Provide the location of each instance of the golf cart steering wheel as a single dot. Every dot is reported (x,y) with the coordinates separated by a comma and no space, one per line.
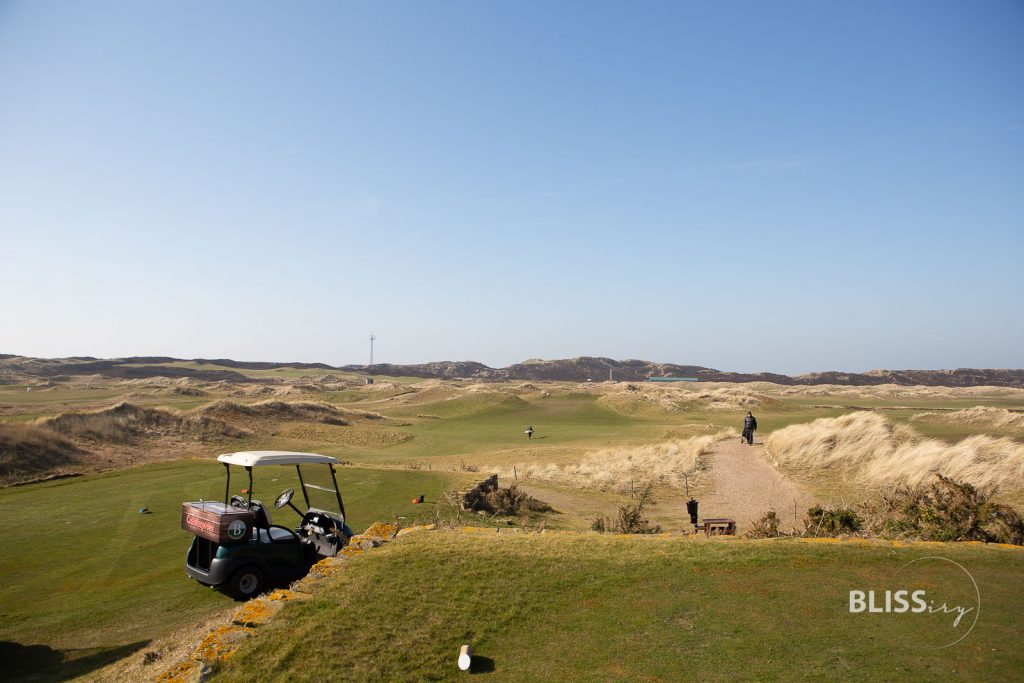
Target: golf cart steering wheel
(284,498)
(239,503)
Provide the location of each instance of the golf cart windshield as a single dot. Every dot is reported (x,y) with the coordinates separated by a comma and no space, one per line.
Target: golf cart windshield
(320,488)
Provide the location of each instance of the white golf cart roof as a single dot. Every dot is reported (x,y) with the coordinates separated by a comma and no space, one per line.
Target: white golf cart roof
(258,458)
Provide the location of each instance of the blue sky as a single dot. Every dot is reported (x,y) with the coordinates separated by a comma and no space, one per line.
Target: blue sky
(781,186)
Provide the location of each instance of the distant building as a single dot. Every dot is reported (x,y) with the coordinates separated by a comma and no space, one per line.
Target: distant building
(672,379)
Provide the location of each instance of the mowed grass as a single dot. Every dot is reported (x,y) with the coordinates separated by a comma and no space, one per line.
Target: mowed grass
(84,573)
(471,427)
(559,607)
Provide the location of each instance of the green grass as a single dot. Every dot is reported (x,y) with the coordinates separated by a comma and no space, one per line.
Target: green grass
(472,426)
(595,608)
(84,572)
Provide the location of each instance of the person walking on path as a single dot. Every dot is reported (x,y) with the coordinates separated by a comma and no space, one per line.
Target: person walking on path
(749,427)
(529,431)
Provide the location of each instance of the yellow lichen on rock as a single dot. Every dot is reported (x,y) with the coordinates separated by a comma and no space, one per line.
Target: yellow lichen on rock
(185,671)
(327,566)
(257,612)
(284,595)
(381,530)
(220,644)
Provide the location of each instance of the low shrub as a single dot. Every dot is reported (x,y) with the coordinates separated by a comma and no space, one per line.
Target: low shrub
(766,527)
(945,510)
(832,522)
(629,519)
(487,496)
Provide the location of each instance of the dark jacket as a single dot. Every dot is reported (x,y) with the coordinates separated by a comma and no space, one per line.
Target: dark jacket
(749,423)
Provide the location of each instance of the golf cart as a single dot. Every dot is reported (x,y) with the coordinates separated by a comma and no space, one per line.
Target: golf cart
(238,549)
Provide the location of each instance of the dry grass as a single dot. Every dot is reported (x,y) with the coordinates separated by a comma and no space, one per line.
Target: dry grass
(868,445)
(125,422)
(26,450)
(978,415)
(893,391)
(309,411)
(619,469)
(128,433)
(644,398)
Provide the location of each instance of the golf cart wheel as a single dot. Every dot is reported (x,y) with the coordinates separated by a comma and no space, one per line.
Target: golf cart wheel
(246,583)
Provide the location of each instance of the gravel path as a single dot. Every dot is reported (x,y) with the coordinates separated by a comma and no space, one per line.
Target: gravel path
(744,486)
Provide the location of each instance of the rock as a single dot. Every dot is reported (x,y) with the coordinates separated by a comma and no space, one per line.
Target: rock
(221,643)
(308,585)
(285,595)
(380,531)
(186,670)
(327,566)
(257,612)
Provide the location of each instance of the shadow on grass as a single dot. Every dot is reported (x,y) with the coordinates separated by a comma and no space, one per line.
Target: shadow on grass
(481,665)
(42,663)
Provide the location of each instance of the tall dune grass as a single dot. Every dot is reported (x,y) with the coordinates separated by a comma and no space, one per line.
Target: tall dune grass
(124,422)
(26,450)
(616,469)
(867,444)
(978,415)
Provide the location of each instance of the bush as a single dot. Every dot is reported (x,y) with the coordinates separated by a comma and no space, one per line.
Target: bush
(766,527)
(832,522)
(507,501)
(629,519)
(946,510)
(487,496)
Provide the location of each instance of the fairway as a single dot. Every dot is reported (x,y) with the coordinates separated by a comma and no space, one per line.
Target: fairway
(86,574)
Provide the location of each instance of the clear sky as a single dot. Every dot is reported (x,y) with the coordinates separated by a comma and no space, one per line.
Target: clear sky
(781,186)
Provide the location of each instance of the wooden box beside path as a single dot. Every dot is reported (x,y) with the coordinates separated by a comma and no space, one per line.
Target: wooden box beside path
(217,522)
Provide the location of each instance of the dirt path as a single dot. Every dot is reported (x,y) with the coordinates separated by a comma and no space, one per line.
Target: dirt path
(744,486)
(739,484)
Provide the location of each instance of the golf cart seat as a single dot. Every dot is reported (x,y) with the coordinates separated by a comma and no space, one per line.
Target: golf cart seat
(277,534)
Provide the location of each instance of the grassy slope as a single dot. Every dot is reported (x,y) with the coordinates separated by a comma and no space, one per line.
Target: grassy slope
(587,607)
(83,569)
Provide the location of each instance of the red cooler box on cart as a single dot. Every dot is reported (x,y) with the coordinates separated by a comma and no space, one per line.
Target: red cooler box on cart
(217,522)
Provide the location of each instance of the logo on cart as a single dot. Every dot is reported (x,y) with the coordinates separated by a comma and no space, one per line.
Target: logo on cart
(236,529)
